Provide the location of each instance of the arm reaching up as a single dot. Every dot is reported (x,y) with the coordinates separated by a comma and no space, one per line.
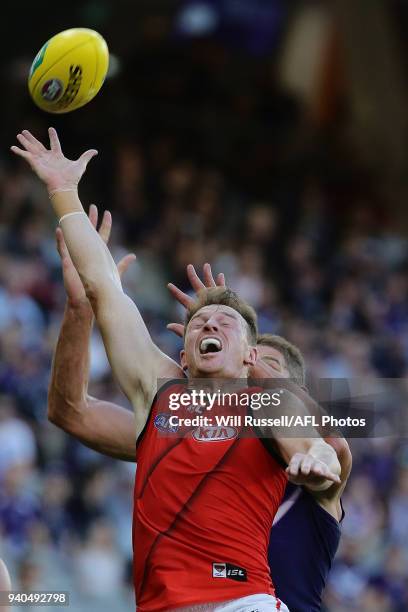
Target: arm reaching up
(135,360)
(103,426)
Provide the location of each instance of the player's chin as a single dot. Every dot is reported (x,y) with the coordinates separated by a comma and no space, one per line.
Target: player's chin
(211,363)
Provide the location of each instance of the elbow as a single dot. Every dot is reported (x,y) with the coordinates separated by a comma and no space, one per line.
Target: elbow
(63,414)
(55,405)
(52,411)
(55,416)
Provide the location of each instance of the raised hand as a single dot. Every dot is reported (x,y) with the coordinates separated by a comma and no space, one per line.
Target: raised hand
(57,172)
(197,285)
(73,285)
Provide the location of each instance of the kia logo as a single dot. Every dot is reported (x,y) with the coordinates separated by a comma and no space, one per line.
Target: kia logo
(215,433)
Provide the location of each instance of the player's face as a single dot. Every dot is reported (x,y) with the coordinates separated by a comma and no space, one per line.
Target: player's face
(216,344)
(270,364)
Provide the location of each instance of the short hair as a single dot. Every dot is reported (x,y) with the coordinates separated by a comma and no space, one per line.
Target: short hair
(293,357)
(225,297)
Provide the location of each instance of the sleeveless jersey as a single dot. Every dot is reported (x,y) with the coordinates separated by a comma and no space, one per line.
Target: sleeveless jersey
(304,540)
(205,499)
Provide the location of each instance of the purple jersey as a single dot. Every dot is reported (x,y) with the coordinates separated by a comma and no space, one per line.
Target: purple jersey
(304,540)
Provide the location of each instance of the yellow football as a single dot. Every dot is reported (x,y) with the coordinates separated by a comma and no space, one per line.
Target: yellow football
(69,70)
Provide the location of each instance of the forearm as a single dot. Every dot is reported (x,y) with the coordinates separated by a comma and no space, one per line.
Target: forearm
(125,336)
(104,427)
(89,253)
(311,461)
(110,429)
(70,370)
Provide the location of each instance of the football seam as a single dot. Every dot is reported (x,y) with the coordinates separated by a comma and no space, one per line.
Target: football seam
(58,60)
(85,99)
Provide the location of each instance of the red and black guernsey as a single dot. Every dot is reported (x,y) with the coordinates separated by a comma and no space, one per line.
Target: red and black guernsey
(204,504)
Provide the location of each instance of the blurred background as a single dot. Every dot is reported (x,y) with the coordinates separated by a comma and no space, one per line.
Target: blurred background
(264,136)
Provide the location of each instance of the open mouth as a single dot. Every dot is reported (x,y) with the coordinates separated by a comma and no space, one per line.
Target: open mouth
(210,345)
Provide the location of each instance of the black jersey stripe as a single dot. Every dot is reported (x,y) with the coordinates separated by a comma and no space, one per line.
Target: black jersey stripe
(169,383)
(157,463)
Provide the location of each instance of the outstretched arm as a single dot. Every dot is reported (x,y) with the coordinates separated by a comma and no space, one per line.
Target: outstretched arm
(327,497)
(312,462)
(103,426)
(135,360)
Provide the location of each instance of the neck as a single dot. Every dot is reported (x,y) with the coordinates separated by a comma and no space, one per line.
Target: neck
(216,385)
(214,379)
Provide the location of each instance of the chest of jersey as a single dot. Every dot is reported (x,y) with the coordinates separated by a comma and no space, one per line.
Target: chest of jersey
(204,495)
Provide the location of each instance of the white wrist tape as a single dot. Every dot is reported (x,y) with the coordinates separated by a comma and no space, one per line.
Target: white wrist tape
(76,212)
(54,191)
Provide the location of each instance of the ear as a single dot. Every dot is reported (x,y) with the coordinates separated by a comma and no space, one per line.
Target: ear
(183,360)
(251,356)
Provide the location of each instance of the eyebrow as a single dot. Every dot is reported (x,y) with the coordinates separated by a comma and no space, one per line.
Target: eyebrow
(271,359)
(227,314)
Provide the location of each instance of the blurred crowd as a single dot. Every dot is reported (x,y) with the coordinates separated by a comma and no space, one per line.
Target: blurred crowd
(285,211)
